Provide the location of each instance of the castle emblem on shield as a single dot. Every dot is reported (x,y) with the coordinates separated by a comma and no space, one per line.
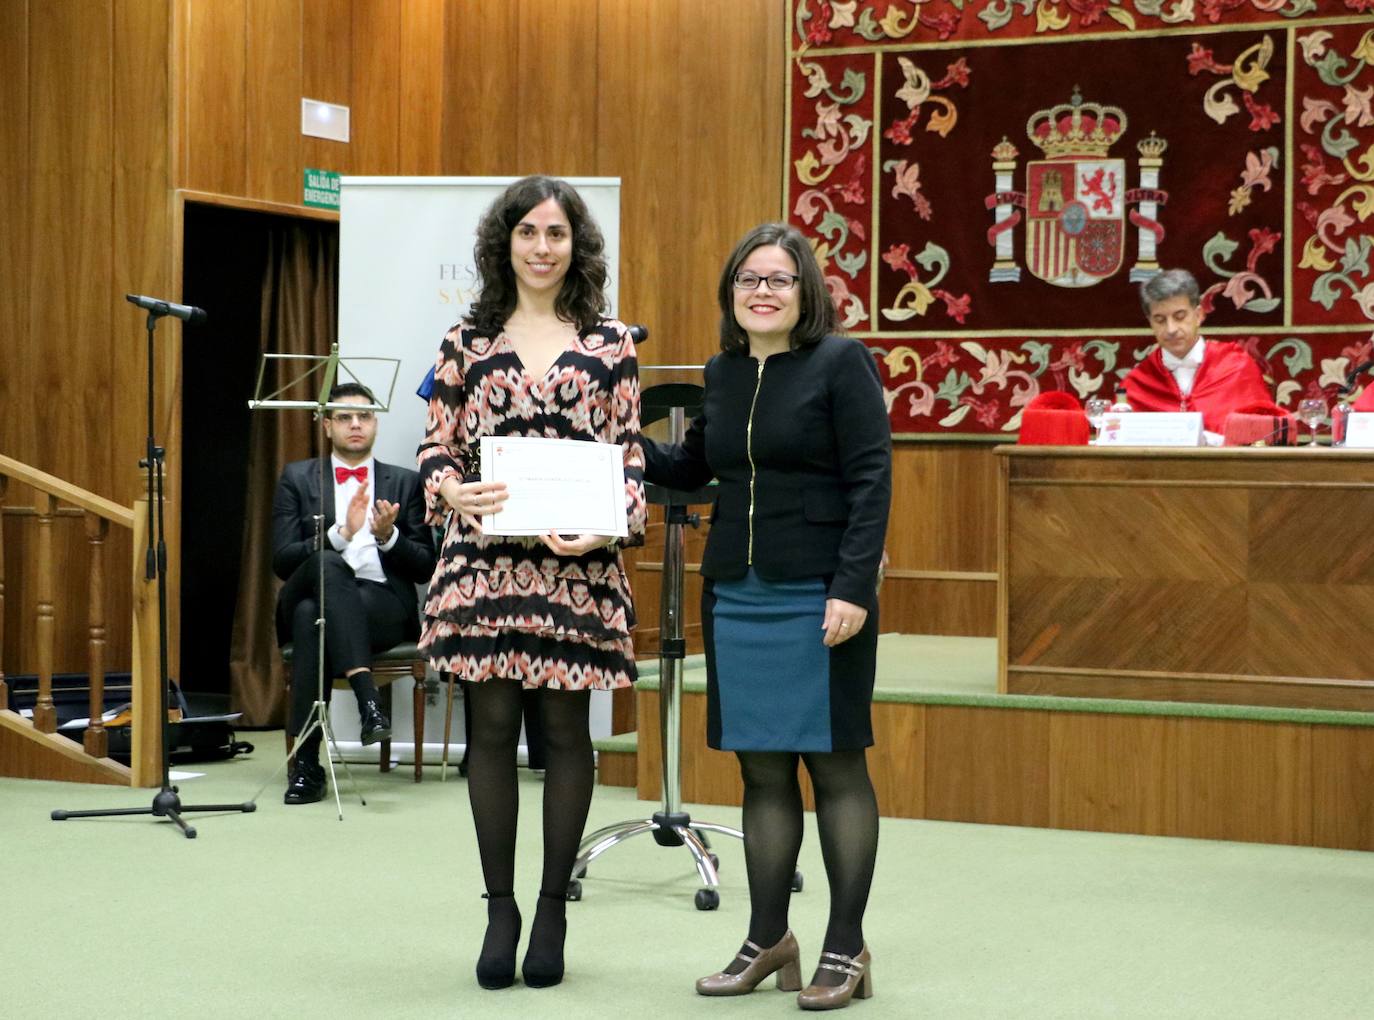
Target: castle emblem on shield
(1076,201)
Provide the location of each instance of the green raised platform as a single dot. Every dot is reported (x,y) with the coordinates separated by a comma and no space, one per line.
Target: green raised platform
(925,669)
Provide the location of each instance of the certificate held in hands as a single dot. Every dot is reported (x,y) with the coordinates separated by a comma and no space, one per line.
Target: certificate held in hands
(566,486)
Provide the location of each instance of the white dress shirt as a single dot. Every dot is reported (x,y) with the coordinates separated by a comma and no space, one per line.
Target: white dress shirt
(362,553)
(1184,369)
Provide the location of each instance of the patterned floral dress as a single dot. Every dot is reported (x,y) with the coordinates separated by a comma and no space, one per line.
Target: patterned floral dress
(508,607)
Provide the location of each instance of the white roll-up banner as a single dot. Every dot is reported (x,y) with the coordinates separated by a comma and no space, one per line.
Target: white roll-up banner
(406,276)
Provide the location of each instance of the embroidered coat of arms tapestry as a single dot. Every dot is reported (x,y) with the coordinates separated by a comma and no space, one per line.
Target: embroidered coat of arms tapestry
(986,183)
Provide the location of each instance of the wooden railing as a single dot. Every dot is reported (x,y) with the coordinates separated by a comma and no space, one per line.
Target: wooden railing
(32,748)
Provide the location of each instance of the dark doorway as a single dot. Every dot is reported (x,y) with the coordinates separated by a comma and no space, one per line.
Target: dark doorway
(225,261)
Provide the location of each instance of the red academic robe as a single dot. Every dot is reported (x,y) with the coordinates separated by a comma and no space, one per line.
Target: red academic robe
(1228,378)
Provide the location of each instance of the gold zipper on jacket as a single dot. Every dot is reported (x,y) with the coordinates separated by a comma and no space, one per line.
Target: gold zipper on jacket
(749,452)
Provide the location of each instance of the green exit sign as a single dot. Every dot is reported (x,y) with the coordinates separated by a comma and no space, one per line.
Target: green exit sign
(321,189)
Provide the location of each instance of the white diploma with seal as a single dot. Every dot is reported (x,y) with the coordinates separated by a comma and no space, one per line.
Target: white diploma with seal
(567,486)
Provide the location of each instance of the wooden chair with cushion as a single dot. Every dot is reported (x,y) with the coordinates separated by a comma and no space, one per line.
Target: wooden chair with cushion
(395,663)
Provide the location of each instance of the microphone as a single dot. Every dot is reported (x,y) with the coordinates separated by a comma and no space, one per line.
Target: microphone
(1352,375)
(641,333)
(186,313)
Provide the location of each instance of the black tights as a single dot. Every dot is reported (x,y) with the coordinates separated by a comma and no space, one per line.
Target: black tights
(847,817)
(568,782)
(493,793)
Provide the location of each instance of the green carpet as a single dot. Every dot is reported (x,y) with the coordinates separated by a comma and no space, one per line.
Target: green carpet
(291,913)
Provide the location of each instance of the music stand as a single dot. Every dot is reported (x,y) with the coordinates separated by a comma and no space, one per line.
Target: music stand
(330,366)
(670,826)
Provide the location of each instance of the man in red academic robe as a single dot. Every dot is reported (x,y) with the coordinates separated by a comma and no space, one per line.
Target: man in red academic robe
(1186,372)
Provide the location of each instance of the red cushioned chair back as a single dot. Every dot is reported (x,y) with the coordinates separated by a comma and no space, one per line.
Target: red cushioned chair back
(1262,421)
(1053,418)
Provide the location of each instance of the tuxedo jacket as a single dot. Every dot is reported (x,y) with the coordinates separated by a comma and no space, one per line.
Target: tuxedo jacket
(802,450)
(407,563)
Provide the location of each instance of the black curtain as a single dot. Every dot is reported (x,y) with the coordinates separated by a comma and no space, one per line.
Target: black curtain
(269,283)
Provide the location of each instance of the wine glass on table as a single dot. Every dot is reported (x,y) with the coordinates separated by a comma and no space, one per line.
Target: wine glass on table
(1096,409)
(1312,411)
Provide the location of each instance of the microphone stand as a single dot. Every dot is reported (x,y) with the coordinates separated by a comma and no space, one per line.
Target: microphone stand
(670,826)
(167,802)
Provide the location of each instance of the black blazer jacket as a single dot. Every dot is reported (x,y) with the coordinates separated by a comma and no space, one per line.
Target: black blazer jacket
(407,563)
(802,450)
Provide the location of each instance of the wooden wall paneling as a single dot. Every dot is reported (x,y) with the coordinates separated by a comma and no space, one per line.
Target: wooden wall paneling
(555,80)
(376,86)
(17,396)
(274,86)
(327,58)
(144,248)
(944,507)
(708,776)
(213,67)
(142,231)
(914,605)
(1169,626)
(420,121)
(1112,773)
(1287,538)
(729,175)
(1342,777)
(69,347)
(1277,643)
(1249,781)
(639,98)
(1221,689)
(1206,530)
(897,761)
(994,766)
(648,752)
(482,117)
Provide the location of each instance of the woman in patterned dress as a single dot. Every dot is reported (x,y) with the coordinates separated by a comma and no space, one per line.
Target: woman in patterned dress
(534,357)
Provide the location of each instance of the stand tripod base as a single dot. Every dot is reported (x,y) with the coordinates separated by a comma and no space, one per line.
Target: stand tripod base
(165,805)
(668,829)
(318,719)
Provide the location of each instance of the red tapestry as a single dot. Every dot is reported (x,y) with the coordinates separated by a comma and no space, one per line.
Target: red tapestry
(987,183)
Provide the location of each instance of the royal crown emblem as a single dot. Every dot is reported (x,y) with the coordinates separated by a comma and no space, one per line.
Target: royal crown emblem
(1076,200)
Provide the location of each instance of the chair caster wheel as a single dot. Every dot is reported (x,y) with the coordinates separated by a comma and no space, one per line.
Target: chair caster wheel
(574,893)
(715,860)
(797,882)
(707,899)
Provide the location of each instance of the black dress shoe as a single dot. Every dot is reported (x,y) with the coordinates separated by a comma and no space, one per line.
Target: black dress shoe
(305,783)
(375,726)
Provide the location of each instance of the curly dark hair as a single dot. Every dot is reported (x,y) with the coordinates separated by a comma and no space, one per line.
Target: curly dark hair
(818,316)
(582,298)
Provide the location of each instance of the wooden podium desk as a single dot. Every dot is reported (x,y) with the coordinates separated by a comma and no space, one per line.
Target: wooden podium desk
(1241,576)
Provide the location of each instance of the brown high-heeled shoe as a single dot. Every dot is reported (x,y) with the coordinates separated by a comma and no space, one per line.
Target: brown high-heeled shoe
(858,982)
(784,959)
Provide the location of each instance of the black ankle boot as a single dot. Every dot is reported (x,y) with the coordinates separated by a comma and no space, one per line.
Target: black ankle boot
(496,965)
(543,964)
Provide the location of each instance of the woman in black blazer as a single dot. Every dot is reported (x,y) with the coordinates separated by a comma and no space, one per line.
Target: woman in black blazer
(794,428)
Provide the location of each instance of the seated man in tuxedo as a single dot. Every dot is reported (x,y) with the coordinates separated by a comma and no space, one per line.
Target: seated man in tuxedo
(377,548)
(1186,372)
